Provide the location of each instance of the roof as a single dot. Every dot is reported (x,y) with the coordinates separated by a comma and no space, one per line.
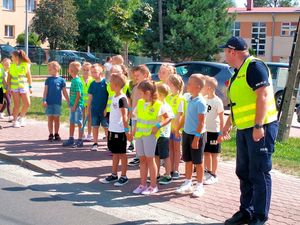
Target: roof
(265,10)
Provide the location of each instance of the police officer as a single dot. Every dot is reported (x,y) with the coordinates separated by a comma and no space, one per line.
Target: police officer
(253,112)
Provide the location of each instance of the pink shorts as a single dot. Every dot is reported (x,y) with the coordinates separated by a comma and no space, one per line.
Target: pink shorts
(19,90)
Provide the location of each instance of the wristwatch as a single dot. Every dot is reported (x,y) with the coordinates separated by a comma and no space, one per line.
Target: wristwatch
(258,126)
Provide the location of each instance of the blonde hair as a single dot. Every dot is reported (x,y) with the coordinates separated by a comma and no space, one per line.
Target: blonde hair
(149,86)
(163,89)
(86,64)
(55,65)
(199,79)
(171,69)
(142,69)
(117,60)
(118,79)
(6,60)
(97,66)
(177,82)
(211,82)
(75,66)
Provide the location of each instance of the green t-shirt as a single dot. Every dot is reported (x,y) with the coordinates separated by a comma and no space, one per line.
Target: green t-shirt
(76,86)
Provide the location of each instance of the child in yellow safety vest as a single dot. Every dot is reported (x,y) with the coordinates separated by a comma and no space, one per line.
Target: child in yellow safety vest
(151,116)
(178,105)
(86,81)
(19,84)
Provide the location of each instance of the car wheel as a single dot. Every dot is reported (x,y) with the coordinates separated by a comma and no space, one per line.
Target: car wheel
(278,99)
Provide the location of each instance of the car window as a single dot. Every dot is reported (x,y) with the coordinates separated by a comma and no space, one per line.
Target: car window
(7,48)
(274,71)
(156,68)
(189,69)
(150,67)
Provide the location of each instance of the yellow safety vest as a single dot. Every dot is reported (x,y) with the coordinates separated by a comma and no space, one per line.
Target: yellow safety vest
(85,88)
(174,101)
(18,75)
(243,100)
(147,118)
(111,94)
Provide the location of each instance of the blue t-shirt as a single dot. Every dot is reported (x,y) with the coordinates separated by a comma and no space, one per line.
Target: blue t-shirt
(55,86)
(100,96)
(195,107)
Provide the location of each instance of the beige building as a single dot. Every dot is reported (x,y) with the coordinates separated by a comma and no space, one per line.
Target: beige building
(268,31)
(12,19)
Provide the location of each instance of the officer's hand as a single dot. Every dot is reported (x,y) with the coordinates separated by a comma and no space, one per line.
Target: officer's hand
(258,134)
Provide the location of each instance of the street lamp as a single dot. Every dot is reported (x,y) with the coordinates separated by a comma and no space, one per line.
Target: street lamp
(26,27)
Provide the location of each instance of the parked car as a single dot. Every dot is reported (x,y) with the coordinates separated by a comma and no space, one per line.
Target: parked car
(280,73)
(35,53)
(6,50)
(154,68)
(222,73)
(89,57)
(65,57)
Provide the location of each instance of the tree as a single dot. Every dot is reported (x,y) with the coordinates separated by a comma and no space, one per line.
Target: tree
(55,21)
(275,3)
(95,29)
(193,29)
(130,19)
(33,39)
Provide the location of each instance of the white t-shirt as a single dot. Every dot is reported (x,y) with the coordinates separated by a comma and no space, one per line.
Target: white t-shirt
(165,108)
(107,66)
(115,116)
(214,107)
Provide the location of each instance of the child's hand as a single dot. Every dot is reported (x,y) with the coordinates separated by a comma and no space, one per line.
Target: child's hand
(220,139)
(195,143)
(177,134)
(129,136)
(45,104)
(30,90)
(73,108)
(154,130)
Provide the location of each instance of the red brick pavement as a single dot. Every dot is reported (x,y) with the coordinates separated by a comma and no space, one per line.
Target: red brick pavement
(83,166)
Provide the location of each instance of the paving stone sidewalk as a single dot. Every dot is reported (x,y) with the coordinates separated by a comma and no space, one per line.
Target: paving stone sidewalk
(82,166)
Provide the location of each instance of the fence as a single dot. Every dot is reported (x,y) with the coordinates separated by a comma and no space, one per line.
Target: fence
(40,57)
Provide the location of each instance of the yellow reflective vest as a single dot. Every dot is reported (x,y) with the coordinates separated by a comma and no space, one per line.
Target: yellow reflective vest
(243,100)
(111,94)
(85,88)
(147,118)
(18,75)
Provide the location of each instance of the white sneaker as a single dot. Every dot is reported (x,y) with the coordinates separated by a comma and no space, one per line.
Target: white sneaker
(199,190)
(2,116)
(185,188)
(140,189)
(89,137)
(94,147)
(22,122)
(150,190)
(83,137)
(10,118)
(211,180)
(207,175)
(16,124)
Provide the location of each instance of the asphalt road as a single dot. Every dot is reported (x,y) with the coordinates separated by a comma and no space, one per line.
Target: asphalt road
(23,205)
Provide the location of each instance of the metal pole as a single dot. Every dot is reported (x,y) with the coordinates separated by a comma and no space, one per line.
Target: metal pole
(160,24)
(26,27)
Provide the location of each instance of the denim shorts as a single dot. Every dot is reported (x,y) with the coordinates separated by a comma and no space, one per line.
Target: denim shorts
(76,117)
(97,119)
(53,110)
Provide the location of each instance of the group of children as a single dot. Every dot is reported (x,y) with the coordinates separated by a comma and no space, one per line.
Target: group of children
(165,124)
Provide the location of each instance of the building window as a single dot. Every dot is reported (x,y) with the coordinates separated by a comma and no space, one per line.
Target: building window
(31,5)
(258,41)
(9,31)
(236,29)
(288,29)
(8,5)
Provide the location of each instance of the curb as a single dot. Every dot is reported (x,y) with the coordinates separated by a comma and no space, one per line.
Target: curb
(26,164)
